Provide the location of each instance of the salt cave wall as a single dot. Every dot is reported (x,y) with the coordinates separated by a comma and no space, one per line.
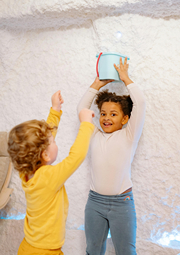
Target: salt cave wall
(50,45)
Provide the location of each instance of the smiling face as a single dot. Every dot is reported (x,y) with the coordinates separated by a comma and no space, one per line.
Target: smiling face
(112,117)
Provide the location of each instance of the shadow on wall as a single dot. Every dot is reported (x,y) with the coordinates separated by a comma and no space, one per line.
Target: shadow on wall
(42,15)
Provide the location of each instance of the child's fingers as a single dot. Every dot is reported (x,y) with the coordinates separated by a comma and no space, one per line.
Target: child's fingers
(58,92)
(61,101)
(125,61)
(86,115)
(97,79)
(126,65)
(61,98)
(121,64)
(116,67)
(55,95)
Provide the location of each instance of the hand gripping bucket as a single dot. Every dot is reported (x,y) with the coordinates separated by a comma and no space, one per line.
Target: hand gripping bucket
(105,65)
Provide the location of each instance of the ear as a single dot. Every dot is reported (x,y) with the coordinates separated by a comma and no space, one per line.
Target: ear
(45,156)
(125,119)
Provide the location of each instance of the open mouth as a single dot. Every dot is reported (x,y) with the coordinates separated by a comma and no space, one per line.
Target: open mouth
(107,124)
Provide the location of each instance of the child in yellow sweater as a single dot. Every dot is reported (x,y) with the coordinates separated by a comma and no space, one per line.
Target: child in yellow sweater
(32,149)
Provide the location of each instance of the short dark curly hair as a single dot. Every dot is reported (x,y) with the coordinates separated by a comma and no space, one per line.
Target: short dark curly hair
(26,143)
(124,101)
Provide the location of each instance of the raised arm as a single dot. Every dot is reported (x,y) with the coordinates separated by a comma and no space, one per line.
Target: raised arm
(123,72)
(55,111)
(63,170)
(136,121)
(90,94)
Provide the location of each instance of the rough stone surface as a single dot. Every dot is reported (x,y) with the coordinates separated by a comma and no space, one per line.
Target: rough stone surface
(51,45)
(42,14)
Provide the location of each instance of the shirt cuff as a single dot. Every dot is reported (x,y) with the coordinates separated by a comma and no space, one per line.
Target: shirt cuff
(94,91)
(131,85)
(58,114)
(88,124)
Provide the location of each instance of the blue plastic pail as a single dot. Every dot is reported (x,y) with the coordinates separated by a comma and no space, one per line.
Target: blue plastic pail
(105,65)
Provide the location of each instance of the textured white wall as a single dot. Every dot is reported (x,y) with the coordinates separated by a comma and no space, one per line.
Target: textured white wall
(52,45)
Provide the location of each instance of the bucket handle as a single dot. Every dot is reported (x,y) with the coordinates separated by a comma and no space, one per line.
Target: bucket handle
(97,64)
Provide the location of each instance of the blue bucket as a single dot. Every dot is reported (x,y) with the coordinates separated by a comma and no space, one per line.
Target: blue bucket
(105,65)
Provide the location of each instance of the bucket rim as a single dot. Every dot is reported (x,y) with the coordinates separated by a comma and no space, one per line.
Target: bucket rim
(113,53)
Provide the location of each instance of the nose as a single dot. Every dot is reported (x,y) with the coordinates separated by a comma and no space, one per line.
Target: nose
(106,118)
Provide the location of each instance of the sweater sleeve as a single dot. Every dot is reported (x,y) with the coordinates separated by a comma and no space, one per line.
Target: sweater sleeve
(86,102)
(59,173)
(54,119)
(87,99)
(136,121)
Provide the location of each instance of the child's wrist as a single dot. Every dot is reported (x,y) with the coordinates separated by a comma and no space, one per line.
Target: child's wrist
(57,109)
(95,85)
(127,81)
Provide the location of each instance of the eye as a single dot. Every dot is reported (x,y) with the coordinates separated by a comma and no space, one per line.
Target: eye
(102,114)
(113,114)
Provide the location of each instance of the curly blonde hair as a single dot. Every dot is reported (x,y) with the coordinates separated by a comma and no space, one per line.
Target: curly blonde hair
(26,143)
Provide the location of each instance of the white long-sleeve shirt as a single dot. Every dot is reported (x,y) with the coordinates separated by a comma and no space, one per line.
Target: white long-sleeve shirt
(113,153)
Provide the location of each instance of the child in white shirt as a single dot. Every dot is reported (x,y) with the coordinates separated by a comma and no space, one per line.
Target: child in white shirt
(110,203)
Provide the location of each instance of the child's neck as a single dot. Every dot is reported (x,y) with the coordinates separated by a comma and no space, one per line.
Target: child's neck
(29,176)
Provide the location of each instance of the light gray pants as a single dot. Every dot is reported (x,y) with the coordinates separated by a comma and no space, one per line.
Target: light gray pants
(114,212)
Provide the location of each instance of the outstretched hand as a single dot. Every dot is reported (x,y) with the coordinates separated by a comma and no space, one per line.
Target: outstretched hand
(123,71)
(97,84)
(86,115)
(57,101)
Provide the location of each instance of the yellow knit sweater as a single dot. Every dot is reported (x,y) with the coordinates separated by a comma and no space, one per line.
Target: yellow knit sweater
(47,201)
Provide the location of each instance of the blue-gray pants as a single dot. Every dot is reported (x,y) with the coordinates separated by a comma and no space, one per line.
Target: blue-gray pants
(114,212)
